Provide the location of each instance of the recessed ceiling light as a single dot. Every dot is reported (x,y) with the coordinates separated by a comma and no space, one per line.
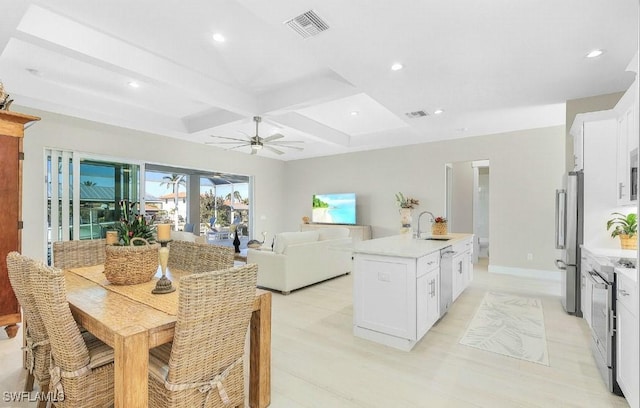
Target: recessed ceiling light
(595,53)
(134,84)
(462,129)
(217,37)
(397,66)
(355,113)
(438,112)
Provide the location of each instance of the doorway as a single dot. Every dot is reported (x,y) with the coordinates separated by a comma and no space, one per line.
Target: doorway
(467,202)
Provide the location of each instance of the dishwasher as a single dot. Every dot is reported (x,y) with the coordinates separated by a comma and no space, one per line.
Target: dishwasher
(446,279)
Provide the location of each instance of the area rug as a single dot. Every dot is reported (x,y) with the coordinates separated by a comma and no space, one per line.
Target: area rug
(509,325)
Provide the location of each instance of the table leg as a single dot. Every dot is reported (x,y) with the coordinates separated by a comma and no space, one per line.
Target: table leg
(131,352)
(260,355)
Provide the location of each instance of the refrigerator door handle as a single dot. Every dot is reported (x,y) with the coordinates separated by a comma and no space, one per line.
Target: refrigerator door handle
(561,219)
(560,264)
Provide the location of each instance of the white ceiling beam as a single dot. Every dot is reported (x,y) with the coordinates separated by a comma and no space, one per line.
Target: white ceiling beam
(90,45)
(314,129)
(210,119)
(301,94)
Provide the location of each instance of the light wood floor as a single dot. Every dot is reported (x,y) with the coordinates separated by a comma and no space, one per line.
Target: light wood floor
(317,362)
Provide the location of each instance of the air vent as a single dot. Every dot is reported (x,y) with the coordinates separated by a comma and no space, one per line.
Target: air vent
(307,24)
(416,114)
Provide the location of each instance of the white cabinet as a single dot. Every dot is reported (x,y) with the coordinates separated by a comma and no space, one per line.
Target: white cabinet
(578,150)
(586,290)
(462,267)
(385,295)
(627,145)
(357,232)
(427,294)
(627,339)
(396,300)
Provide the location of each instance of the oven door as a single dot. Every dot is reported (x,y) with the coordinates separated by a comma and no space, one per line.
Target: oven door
(600,309)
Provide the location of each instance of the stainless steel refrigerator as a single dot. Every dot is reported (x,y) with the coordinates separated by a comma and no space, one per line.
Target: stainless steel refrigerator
(569,234)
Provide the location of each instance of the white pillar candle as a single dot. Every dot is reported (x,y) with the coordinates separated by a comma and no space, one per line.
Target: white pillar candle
(164,232)
(112,237)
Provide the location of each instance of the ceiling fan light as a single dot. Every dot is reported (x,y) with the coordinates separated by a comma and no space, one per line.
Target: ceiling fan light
(256,146)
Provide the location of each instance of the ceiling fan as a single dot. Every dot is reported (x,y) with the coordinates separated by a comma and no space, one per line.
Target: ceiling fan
(257,143)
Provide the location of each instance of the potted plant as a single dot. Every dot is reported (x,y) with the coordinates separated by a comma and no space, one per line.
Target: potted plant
(134,259)
(406,205)
(625,227)
(439,226)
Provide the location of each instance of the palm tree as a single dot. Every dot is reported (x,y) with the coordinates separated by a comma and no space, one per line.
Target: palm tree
(89,183)
(175,181)
(237,197)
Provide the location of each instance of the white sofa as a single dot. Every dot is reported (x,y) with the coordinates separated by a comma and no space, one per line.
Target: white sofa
(303,258)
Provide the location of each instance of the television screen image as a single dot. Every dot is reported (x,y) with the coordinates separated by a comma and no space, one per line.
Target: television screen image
(334,208)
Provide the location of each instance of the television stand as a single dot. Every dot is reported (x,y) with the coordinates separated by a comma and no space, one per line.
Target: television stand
(357,232)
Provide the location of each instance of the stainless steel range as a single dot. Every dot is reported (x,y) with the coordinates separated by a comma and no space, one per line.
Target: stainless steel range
(603,316)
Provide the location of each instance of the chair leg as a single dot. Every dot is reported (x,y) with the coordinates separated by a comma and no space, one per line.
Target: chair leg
(28,385)
(44,389)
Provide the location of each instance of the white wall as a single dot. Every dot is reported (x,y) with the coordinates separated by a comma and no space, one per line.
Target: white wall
(462,200)
(526,168)
(57,131)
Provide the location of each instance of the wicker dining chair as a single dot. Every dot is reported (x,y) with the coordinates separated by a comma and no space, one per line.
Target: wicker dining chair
(78,253)
(214,258)
(37,346)
(197,257)
(203,367)
(81,366)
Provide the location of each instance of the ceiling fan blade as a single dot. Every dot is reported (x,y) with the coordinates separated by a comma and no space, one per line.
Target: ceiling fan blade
(276,151)
(229,138)
(274,136)
(222,143)
(290,147)
(237,147)
(279,142)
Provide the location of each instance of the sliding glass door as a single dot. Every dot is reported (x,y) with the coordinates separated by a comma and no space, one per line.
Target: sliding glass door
(84,194)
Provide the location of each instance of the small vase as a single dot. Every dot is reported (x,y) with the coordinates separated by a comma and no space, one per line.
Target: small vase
(405,220)
(439,228)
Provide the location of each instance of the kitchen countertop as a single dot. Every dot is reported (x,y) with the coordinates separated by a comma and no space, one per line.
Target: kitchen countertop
(610,252)
(610,256)
(405,246)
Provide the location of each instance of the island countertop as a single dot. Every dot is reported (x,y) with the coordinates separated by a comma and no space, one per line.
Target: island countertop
(407,247)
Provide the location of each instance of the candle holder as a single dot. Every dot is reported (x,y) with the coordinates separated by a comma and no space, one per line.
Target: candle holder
(163,285)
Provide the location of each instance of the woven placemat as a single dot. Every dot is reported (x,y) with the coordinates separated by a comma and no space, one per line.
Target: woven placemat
(167,303)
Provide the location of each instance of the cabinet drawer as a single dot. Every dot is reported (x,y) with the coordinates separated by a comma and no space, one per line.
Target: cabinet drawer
(463,246)
(627,293)
(428,263)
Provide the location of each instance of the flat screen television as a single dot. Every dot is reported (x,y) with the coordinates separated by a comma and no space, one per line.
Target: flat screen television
(337,208)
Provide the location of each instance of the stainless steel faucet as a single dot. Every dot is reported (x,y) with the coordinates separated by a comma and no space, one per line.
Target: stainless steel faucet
(420,216)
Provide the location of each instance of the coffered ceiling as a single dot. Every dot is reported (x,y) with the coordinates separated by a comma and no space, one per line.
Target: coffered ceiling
(491,66)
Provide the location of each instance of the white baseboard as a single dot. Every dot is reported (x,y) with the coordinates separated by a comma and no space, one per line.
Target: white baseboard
(526,273)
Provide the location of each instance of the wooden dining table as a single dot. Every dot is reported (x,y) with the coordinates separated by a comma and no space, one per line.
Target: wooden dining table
(132,322)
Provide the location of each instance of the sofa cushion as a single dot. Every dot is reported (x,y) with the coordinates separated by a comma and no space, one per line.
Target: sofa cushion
(333,233)
(285,239)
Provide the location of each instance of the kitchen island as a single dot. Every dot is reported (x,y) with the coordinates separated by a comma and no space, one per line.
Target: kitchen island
(401,287)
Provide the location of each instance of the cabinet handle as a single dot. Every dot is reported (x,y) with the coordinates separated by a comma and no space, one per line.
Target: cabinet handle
(620,190)
(623,292)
